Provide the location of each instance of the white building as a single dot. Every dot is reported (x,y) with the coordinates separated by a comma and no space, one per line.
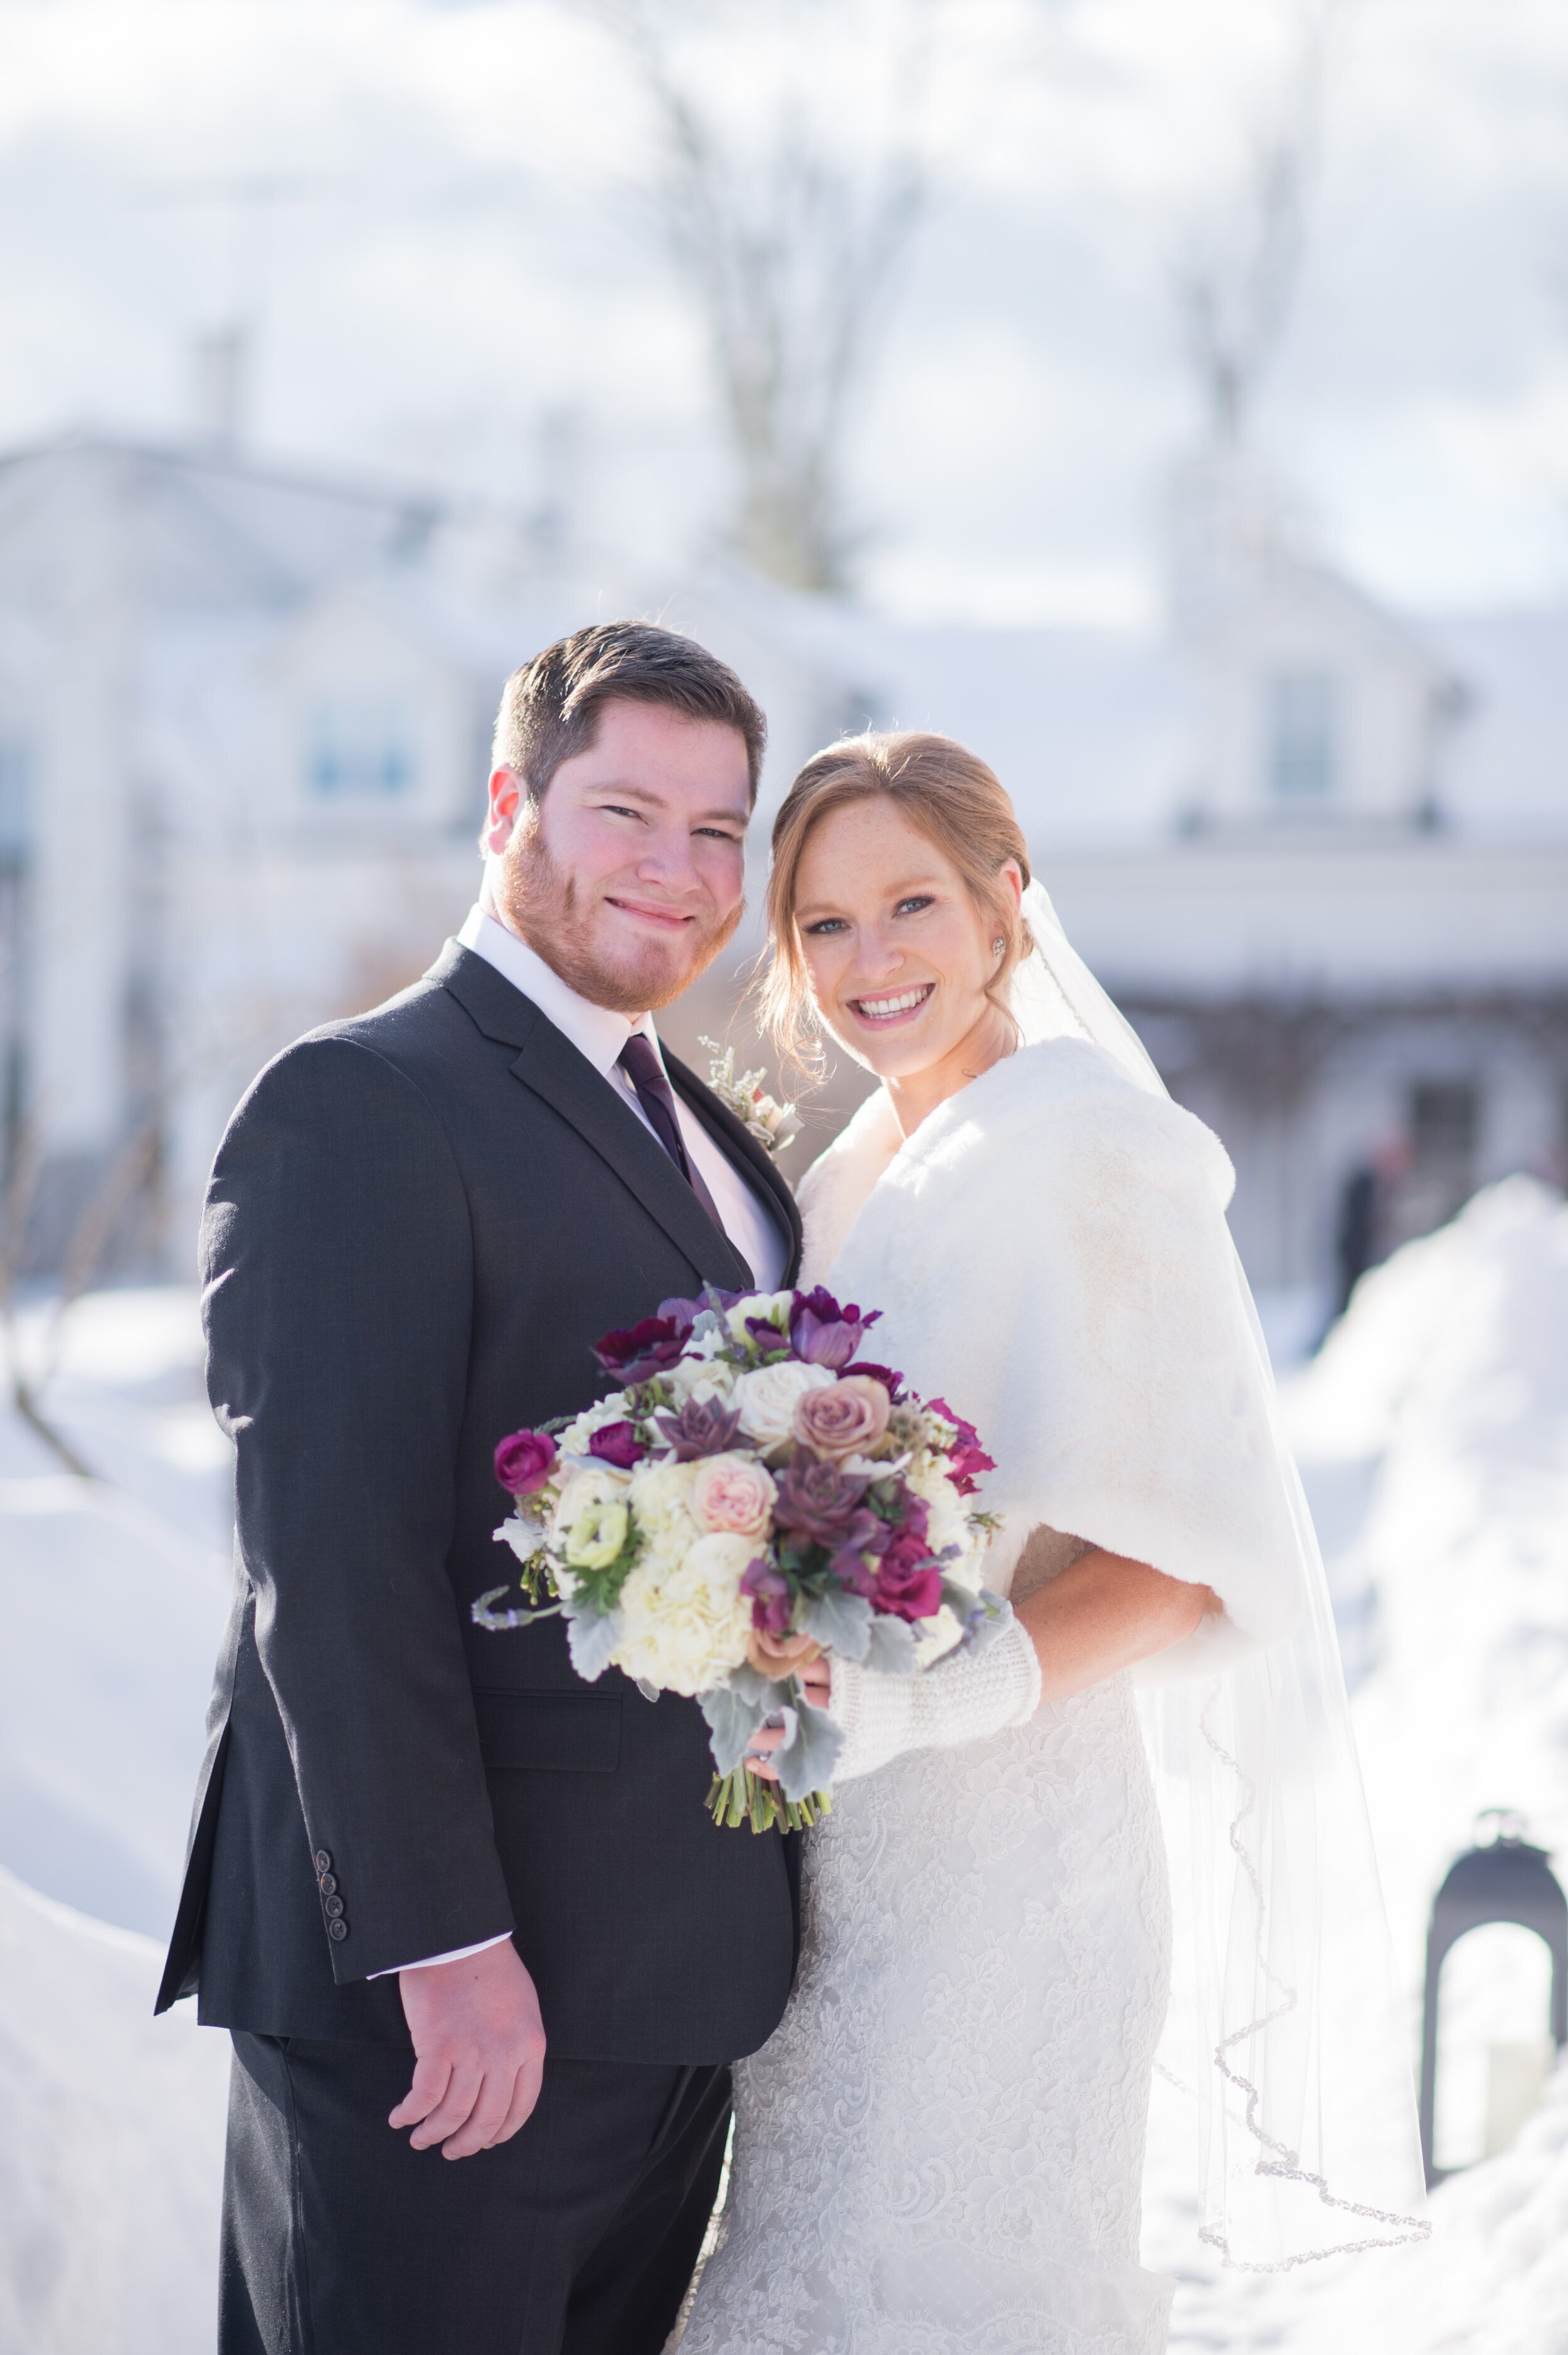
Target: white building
(1320,855)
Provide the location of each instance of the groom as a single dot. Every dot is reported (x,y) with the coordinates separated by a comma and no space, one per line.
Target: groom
(454,1904)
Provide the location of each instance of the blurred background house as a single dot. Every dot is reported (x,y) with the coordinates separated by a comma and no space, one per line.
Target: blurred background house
(1318,851)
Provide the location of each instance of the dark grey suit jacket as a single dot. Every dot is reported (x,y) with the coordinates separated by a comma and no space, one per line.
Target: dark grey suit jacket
(417,1223)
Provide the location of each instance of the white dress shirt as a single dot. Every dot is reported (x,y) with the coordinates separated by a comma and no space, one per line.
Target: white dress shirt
(599,1035)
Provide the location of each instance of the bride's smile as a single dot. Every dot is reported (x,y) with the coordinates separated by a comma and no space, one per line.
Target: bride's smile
(900,955)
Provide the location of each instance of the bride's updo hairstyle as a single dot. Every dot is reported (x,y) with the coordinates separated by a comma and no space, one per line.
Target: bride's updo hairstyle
(950,795)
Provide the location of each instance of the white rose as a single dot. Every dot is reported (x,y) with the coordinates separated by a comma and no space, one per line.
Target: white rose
(768,1396)
(685,1624)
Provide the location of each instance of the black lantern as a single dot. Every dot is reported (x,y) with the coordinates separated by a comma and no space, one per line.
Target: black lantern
(1502,1879)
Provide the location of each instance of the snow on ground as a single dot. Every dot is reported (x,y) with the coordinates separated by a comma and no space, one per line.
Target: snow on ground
(1433,1431)
(112,1600)
(110,2146)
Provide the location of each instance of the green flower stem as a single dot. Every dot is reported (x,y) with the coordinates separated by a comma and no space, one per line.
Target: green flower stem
(744,1797)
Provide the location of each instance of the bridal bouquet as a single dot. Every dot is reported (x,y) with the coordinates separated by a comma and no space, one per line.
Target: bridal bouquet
(749,1497)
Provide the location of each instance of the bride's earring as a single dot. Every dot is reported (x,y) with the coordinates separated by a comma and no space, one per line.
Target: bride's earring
(996,947)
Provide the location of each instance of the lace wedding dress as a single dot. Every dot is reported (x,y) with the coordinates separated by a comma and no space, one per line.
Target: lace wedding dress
(940,2150)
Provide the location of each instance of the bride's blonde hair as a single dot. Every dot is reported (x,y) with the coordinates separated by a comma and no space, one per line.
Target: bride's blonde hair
(954,799)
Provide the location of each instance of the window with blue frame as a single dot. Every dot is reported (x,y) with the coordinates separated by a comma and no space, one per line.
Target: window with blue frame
(360,753)
(1302,735)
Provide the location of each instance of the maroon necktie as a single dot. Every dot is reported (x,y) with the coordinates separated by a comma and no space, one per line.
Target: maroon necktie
(642,1066)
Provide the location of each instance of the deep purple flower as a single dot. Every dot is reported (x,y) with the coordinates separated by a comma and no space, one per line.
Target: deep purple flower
(817,1500)
(772,1604)
(769,1340)
(643,1348)
(892,1383)
(702,1427)
(967,1459)
(524,1461)
(617,1444)
(821,1333)
(908,1579)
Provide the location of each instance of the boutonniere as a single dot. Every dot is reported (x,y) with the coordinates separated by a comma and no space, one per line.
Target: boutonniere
(774,1125)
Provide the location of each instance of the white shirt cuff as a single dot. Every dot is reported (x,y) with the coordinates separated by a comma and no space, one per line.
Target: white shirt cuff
(458,1954)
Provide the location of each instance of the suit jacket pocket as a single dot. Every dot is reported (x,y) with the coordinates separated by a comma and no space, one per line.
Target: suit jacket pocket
(556,1732)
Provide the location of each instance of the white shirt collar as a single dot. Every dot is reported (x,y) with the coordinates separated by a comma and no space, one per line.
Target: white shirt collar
(596,1032)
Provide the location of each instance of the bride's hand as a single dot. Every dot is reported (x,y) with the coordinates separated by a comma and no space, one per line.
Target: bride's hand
(815,1683)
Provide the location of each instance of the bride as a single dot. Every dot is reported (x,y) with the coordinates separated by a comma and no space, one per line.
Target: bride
(940,2151)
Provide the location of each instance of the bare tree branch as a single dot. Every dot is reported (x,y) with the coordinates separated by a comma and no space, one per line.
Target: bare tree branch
(1235,293)
(788,241)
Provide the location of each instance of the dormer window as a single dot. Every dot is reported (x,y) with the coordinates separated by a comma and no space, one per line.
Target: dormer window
(1303,723)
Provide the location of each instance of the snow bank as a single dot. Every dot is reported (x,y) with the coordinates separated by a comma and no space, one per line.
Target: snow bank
(111,2143)
(113,1595)
(1433,1434)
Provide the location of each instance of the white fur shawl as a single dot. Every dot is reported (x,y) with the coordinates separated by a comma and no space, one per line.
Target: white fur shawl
(1050,1255)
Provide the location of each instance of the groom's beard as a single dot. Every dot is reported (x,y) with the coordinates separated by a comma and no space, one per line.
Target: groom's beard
(542,901)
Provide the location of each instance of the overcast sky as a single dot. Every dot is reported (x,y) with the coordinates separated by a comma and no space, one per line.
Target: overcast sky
(440,247)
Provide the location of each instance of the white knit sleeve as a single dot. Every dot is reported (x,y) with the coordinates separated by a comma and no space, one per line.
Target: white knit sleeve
(962,1698)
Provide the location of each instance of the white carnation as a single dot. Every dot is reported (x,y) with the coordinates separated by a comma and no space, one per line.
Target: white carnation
(661,1498)
(685,1623)
(710,1379)
(768,1397)
(949,1518)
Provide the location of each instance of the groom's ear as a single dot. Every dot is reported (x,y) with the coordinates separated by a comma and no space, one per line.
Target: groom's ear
(508,794)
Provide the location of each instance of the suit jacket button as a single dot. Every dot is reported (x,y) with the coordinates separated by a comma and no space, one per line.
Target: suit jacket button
(327,1884)
(338,1929)
(322,1860)
(333,1907)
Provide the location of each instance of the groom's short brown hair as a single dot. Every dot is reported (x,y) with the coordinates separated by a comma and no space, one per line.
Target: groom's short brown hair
(550,706)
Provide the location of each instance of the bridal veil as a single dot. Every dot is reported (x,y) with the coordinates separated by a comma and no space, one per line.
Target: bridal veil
(1288,2041)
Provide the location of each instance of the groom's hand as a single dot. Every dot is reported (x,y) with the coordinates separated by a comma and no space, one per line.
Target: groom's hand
(478,2052)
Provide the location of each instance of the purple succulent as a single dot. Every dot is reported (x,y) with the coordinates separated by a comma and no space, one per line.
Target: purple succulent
(772,1604)
(644,1349)
(821,1333)
(819,1501)
(617,1444)
(702,1427)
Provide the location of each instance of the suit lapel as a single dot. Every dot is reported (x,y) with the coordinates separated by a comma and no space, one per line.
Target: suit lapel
(742,1147)
(550,1065)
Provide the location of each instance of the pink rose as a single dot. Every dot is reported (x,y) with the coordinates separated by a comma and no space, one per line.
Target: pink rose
(846,1418)
(525,1461)
(732,1492)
